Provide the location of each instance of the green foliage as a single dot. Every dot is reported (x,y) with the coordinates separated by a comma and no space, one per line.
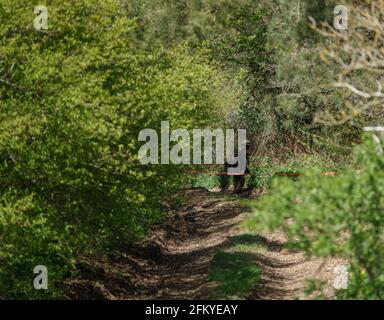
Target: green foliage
(269,169)
(321,10)
(73,100)
(246,48)
(169,22)
(75,97)
(301,82)
(335,216)
(277,58)
(207,181)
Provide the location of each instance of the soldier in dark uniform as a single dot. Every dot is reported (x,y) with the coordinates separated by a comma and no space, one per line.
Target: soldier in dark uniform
(238,179)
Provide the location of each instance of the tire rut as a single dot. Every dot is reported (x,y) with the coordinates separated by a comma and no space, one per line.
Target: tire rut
(175,261)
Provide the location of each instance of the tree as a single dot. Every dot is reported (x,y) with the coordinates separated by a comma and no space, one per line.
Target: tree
(73,100)
(357,60)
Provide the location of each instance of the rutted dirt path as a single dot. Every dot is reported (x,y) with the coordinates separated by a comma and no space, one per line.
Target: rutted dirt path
(174,263)
(285,273)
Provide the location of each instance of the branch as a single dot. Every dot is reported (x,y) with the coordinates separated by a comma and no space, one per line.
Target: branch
(358,92)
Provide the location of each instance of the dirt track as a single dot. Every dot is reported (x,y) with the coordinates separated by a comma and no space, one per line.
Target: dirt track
(175,261)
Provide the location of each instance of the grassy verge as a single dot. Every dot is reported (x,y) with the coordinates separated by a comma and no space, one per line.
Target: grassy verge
(234,268)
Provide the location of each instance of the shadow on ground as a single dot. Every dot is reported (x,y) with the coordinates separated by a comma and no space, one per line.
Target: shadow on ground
(200,252)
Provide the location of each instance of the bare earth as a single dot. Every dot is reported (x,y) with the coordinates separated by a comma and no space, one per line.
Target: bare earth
(174,262)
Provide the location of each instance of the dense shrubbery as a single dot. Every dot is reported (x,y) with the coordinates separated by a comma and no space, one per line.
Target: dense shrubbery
(335,216)
(73,99)
(343,215)
(168,22)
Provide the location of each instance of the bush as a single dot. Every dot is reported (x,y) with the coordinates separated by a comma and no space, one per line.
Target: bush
(73,99)
(335,216)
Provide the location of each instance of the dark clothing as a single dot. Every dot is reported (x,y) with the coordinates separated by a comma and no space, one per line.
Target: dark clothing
(238,179)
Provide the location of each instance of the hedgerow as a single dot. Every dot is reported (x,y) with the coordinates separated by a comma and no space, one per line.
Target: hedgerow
(73,100)
(335,216)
